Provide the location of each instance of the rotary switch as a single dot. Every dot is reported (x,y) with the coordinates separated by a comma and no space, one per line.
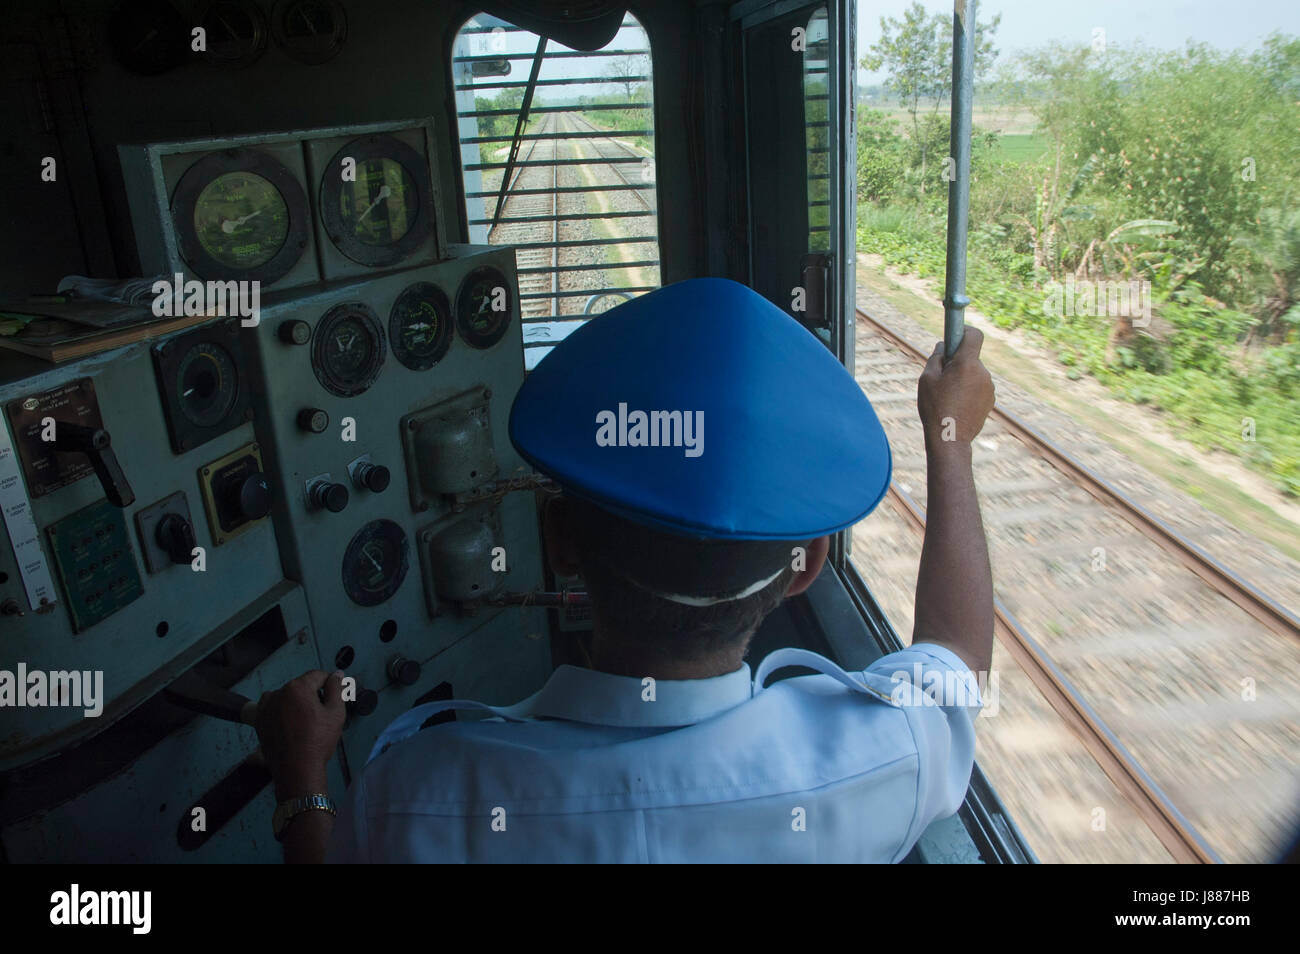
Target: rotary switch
(175,535)
(248,496)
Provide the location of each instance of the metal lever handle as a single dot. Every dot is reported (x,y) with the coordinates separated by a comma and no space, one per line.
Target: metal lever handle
(95,443)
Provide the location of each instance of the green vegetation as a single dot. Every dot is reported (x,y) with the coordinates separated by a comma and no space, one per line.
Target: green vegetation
(637,116)
(1022,147)
(1174,169)
(501,126)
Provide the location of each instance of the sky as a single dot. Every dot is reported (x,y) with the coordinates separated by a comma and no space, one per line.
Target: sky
(1158,24)
(1161,24)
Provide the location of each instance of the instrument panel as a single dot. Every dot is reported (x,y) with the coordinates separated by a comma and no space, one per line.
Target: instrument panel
(286,209)
(285,496)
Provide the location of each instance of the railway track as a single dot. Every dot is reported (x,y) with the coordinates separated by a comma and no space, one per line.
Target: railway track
(530,219)
(1205,625)
(610,148)
(566,189)
(1039,494)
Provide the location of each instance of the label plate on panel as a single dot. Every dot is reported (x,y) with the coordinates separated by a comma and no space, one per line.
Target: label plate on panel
(47,470)
(93,555)
(23,535)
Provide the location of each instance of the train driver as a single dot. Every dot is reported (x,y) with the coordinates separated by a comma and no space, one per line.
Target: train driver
(708,446)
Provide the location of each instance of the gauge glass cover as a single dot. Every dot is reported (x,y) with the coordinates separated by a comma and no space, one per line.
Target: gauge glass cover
(241,220)
(381,205)
(483,307)
(420,326)
(375,563)
(348,349)
(207,384)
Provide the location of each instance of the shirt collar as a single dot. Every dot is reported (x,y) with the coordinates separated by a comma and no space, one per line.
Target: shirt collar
(602,698)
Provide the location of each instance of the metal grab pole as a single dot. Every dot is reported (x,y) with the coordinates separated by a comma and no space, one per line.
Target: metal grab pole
(963,89)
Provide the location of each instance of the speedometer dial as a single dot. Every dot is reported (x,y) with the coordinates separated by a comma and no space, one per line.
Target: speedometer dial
(347,349)
(241,220)
(239,214)
(420,326)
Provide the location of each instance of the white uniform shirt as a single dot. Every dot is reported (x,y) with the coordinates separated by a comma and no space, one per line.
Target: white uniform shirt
(594,767)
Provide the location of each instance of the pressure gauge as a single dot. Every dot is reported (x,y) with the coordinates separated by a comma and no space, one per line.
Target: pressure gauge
(347,349)
(483,307)
(234,31)
(375,563)
(420,326)
(310,31)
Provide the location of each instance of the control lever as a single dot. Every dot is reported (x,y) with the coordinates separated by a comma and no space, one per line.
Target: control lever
(94,442)
(193,692)
(566,598)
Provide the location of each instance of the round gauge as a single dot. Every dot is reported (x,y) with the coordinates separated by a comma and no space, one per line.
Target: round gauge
(239,214)
(375,200)
(311,31)
(483,307)
(207,384)
(149,37)
(347,349)
(419,326)
(375,563)
(241,220)
(234,32)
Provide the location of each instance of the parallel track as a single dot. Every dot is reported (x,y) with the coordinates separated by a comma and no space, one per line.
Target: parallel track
(1219,577)
(1021,512)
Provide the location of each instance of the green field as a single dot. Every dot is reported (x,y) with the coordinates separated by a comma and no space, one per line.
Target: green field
(1022,147)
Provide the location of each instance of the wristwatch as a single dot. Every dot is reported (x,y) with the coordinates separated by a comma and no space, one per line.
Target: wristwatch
(287,811)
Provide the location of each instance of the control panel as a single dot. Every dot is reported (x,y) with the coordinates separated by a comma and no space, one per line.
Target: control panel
(331,486)
(384,405)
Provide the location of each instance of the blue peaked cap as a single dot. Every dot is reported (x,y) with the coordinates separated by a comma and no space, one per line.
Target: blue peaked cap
(790,447)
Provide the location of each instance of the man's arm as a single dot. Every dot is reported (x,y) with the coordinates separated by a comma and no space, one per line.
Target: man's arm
(299,727)
(954,587)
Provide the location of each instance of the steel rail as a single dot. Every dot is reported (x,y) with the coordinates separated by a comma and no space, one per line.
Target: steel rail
(635,189)
(1222,580)
(1175,832)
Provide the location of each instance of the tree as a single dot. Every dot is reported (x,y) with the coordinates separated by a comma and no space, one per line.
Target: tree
(916,52)
(626,71)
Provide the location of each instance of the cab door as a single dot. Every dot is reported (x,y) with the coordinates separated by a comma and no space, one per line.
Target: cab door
(799,143)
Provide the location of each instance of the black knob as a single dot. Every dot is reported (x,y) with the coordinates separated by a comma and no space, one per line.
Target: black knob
(403,671)
(373,477)
(250,496)
(332,497)
(294,331)
(366,702)
(313,420)
(175,535)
